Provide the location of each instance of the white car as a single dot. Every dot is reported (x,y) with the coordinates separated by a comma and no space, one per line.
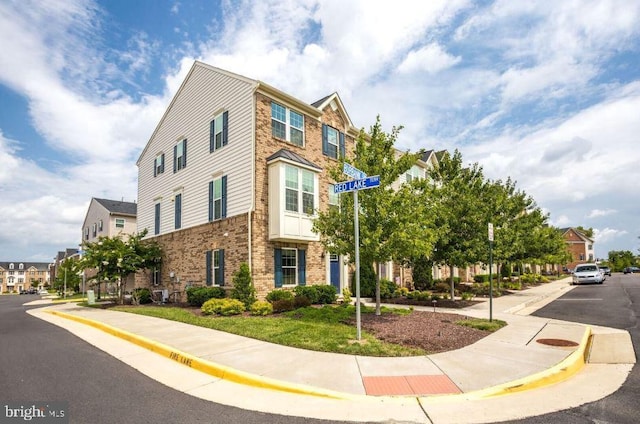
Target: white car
(587,273)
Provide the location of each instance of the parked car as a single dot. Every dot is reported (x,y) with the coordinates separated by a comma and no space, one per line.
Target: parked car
(606,270)
(631,269)
(587,273)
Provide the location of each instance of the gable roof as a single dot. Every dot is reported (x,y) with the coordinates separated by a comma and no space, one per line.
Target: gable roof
(290,156)
(578,232)
(116,207)
(40,266)
(314,109)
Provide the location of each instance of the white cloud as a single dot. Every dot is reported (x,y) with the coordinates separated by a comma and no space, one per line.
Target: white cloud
(607,234)
(601,212)
(431,59)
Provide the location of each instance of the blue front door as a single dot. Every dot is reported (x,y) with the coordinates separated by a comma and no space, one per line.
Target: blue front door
(334,270)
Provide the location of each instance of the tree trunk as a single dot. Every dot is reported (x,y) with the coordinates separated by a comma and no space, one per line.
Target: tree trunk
(453,290)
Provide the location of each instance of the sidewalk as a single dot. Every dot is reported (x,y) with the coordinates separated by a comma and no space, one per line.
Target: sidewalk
(487,377)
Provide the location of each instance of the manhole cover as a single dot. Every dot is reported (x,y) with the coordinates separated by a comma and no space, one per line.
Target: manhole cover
(557,342)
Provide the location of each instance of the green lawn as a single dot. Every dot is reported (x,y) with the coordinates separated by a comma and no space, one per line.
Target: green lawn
(320,329)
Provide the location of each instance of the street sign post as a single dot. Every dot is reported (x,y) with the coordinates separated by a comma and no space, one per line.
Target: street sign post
(490,228)
(362,182)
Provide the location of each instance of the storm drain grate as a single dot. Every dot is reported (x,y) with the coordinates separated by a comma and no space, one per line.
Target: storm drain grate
(557,342)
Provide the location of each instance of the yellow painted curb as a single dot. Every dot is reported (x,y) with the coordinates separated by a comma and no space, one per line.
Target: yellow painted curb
(216,370)
(563,370)
(559,372)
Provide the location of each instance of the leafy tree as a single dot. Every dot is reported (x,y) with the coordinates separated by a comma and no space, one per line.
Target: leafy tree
(422,273)
(69,270)
(620,259)
(392,224)
(586,231)
(115,258)
(243,289)
(460,213)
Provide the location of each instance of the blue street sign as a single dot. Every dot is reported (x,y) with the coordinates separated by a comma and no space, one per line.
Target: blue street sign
(361,184)
(353,172)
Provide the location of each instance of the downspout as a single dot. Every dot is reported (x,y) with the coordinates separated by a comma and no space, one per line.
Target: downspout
(253,179)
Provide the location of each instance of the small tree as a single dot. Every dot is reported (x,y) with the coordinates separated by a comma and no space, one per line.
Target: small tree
(68,275)
(243,289)
(114,259)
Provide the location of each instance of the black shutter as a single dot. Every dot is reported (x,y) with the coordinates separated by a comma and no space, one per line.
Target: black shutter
(207,256)
(225,125)
(175,158)
(325,140)
(224,196)
(210,201)
(302,267)
(277,275)
(342,146)
(212,135)
(221,267)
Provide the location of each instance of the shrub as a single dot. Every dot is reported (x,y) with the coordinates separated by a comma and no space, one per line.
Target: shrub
(224,307)
(282,305)
(467,295)
(197,296)
(367,281)
(261,308)
(422,273)
(142,296)
(279,294)
(346,296)
(326,294)
(301,302)
(387,288)
(243,289)
(310,292)
(442,287)
(403,291)
(505,270)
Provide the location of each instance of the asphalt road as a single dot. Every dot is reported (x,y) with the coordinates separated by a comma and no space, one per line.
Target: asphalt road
(616,303)
(43,362)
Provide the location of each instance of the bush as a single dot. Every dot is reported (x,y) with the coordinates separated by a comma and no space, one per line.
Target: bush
(387,288)
(505,271)
(467,295)
(301,302)
(279,294)
(310,292)
(367,281)
(224,307)
(346,296)
(197,296)
(442,287)
(261,308)
(326,294)
(422,273)
(142,296)
(243,289)
(282,305)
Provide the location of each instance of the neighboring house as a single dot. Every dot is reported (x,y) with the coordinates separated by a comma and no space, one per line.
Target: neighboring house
(235,172)
(580,246)
(59,258)
(108,218)
(16,276)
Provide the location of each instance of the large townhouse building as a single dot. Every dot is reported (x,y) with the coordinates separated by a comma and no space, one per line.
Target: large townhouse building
(234,172)
(17,276)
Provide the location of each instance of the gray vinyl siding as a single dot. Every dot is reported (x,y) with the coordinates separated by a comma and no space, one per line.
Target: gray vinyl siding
(205,94)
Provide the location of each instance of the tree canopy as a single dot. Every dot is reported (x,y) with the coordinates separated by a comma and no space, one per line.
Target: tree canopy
(115,258)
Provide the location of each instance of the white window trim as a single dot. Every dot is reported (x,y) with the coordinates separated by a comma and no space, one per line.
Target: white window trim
(287,124)
(301,191)
(294,267)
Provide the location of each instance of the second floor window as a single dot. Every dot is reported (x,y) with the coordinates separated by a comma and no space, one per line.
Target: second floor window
(180,155)
(218,131)
(119,222)
(299,186)
(156,219)
(332,142)
(287,124)
(158,165)
(414,173)
(178,211)
(218,198)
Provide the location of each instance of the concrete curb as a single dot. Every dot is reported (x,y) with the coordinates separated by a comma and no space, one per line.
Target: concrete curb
(559,372)
(562,371)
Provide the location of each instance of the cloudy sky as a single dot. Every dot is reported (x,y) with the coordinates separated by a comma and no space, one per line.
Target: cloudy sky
(547,93)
